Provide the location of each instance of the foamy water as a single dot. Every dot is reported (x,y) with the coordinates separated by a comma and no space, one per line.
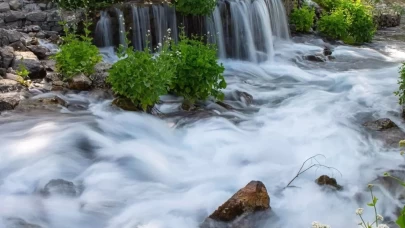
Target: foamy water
(140,171)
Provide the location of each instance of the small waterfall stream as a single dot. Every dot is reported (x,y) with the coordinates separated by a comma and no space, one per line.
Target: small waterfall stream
(242,29)
(103,30)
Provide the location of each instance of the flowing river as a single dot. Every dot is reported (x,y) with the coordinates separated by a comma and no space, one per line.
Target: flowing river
(134,170)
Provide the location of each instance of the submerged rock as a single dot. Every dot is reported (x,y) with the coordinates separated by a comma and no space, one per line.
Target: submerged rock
(325,180)
(126,104)
(252,198)
(385,130)
(54,103)
(315,58)
(19,223)
(60,187)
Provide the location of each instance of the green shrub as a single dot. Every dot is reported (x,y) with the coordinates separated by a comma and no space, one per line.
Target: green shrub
(328,5)
(77,54)
(195,7)
(22,71)
(198,74)
(141,77)
(335,25)
(303,18)
(401,91)
(89,4)
(350,21)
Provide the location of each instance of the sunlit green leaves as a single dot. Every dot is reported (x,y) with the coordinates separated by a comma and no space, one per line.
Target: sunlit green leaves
(303,18)
(195,7)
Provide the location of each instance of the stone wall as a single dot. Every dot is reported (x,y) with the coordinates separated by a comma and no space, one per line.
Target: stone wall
(30,16)
(387,20)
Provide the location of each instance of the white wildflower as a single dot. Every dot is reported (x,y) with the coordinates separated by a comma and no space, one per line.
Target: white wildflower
(359,211)
(380,218)
(319,225)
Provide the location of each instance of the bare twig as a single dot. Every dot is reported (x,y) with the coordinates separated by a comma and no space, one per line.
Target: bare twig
(317,165)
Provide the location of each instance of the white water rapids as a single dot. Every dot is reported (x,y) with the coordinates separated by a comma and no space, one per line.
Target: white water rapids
(138,171)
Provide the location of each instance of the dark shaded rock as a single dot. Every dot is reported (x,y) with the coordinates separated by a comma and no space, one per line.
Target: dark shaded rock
(315,58)
(224,105)
(252,198)
(9,36)
(60,187)
(37,16)
(100,75)
(3,72)
(327,51)
(49,65)
(325,180)
(19,223)
(7,56)
(18,46)
(39,51)
(126,104)
(101,94)
(31,62)
(245,97)
(13,16)
(80,82)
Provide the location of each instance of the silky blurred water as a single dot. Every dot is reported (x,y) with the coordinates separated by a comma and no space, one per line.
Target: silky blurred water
(140,171)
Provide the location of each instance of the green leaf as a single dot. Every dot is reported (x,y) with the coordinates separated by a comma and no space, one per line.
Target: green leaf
(401,219)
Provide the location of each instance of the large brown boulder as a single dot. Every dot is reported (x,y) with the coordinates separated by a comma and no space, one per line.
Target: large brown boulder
(80,82)
(252,198)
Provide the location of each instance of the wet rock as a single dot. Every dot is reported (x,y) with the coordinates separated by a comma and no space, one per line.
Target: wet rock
(80,82)
(224,105)
(100,75)
(315,58)
(245,97)
(8,101)
(53,103)
(252,198)
(325,180)
(327,51)
(7,85)
(31,62)
(39,51)
(19,223)
(60,187)
(7,56)
(126,104)
(49,65)
(101,94)
(386,131)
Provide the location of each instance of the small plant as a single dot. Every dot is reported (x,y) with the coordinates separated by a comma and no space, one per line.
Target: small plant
(141,77)
(88,4)
(303,18)
(195,7)
(335,25)
(22,71)
(198,74)
(401,90)
(77,54)
(328,5)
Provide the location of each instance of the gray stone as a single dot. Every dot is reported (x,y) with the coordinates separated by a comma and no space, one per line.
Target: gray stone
(50,65)
(33,28)
(7,56)
(80,82)
(18,46)
(53,16)
(42,6)
(31,62)
(3,72)
(8,101)
(40,35)
(9,36)
(57,28)
(100,75)
(60,187)
(51,103)
(4,7)
(39,51)
(36,16)
(15,4)
(9,85)
(13,16)
(31,7)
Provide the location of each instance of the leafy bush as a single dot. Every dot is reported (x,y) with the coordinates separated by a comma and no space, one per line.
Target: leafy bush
(77,4)
(141,77)
(303,18)
(335,25)
(328,5)
(198,74)
(77,54)
(195,7)
(351,21)
(401,91)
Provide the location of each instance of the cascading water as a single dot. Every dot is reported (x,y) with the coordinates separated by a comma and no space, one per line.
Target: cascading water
(278,19)
(141,26)
(121,27)
(103,33)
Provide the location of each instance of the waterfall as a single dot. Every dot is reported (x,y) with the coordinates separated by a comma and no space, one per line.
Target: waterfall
(278,19)
(103,33)
(121,26)
(241,29)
